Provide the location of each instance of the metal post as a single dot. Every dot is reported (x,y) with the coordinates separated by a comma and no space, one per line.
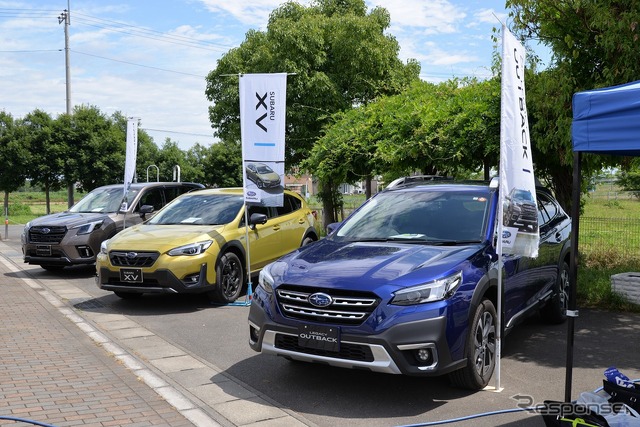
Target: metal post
(572,313)
(65,17)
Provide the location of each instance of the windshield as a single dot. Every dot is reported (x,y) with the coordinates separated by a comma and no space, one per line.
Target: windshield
(419,216)
(201,209)
(263,169)
(102,200)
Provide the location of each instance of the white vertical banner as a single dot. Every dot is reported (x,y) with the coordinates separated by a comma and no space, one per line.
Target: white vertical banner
(517,209)
(519,216)
(263,99)
(131,154)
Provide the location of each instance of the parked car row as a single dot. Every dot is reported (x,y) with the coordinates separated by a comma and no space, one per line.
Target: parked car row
(195,240)
(407,284)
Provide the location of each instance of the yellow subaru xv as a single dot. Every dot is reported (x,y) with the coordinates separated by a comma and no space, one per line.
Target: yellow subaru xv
(197,244)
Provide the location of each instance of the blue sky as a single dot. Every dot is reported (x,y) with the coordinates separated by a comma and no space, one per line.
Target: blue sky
(149,58)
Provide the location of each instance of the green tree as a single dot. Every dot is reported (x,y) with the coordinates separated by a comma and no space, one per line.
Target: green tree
(147,154)
(14,156)
(449,129)
(170,156)
(594,44)
(222,165)
(94,148)
(195,158)
(47,155)
(340,56)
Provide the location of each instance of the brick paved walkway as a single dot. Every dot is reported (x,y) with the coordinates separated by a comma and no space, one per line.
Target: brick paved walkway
(53,373)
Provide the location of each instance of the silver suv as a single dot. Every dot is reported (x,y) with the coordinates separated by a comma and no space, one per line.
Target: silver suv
(74,237)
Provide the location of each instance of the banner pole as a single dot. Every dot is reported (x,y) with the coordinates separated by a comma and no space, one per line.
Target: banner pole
(246,234)
(500,293)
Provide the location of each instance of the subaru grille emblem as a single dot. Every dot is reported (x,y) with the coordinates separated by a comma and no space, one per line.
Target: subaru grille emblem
(320,299)
(131,255)
(46,230)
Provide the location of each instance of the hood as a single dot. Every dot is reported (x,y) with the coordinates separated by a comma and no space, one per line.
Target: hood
(68,219)
(367,265)
(161,238)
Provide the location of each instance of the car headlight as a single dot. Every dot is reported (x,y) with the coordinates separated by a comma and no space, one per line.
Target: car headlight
(191,249)
(428,292)
(89,227)
(265,279)
(103,246)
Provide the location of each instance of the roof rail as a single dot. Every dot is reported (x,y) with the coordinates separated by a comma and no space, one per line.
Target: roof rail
(416,178)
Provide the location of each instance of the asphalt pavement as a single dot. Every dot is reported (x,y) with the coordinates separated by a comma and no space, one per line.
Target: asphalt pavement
(64,365)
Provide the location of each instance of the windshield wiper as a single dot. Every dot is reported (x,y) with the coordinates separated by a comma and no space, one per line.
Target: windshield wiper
(447,242)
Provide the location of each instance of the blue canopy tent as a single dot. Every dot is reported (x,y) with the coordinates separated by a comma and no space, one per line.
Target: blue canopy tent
(605,121)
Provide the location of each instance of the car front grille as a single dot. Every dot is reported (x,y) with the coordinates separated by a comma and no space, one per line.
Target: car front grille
(345,308)
(47,234)
(529,212)
(133,259)
(360,353)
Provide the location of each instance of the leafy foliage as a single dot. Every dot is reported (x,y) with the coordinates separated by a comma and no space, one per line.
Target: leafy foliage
(445,129)
(594,45)
(338,55)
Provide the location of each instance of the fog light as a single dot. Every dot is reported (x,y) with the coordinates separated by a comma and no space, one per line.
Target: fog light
(423,355)
(84,251)
(253,334)
(192,279)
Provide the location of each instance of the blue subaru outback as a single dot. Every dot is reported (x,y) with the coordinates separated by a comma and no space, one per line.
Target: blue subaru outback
(408,285)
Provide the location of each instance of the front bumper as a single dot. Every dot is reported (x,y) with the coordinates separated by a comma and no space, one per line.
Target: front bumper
(161,281)
(393,351)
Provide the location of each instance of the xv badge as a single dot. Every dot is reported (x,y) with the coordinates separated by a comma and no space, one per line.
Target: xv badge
(261,102)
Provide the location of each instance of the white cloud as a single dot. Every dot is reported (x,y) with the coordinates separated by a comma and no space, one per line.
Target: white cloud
(248,12)
(432,17)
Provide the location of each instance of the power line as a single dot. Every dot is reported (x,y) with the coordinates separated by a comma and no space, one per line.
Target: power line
(148,33)
(173,131)
(137,65)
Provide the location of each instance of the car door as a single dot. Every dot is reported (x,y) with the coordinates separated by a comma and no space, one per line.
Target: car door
(265,240)
(293,223)
(532,278)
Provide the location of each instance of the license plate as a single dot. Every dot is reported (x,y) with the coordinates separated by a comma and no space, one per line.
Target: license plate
(43,250)
(131,275)
(319,337)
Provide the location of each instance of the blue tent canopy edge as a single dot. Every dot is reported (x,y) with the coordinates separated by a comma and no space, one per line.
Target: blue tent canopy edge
(607,120)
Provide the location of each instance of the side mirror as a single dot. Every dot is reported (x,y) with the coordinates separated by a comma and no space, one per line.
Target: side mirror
(257,218)
(332,227)
(145,209)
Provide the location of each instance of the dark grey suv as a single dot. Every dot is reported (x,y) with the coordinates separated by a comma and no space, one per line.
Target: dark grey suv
(74,237)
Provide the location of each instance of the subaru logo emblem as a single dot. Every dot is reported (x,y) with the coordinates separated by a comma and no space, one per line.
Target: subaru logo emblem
(251,193)
(320,299)
(46,230)
(131,255)
(506,234)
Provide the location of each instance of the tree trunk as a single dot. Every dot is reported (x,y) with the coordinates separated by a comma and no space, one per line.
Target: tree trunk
(328,205)
(486,169)
(367,188)
(47,198)
(70,201)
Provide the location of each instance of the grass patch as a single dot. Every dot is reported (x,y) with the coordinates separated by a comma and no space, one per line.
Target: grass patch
(594,289)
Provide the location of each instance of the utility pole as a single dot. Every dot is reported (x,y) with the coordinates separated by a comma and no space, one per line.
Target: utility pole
(65,17)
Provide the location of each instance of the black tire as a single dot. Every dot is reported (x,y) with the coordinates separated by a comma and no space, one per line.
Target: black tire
(128,295)
(480,350)
(229,279)
(555,310)
(52,267)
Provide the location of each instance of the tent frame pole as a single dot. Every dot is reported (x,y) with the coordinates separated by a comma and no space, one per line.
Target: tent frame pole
(572,313)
